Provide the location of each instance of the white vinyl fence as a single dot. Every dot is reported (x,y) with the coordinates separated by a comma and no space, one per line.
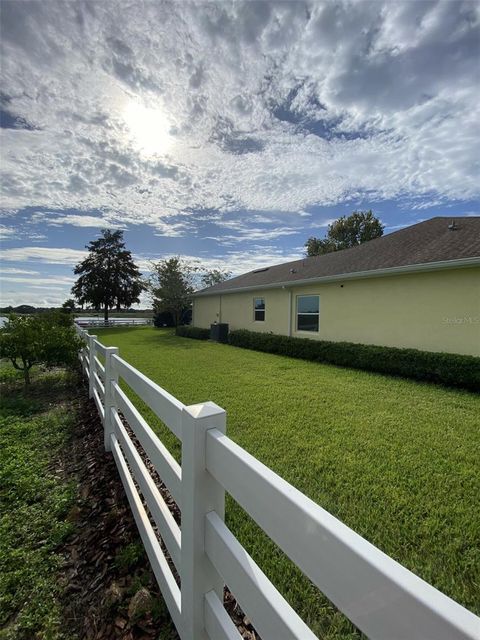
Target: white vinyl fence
(380,597)
(100,323)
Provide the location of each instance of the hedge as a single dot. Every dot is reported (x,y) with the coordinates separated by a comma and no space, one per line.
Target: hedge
(187,331)
(445,368)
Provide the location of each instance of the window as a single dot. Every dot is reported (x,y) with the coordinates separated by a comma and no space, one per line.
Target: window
(259,309)
(308,312)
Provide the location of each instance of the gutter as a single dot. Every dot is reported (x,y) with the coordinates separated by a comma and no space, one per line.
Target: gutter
(356,275)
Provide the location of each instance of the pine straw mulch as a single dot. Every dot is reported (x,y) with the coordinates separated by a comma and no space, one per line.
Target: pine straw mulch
(110,592)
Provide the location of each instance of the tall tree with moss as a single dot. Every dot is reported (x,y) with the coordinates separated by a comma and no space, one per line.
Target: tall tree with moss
(347,231)
(108,276)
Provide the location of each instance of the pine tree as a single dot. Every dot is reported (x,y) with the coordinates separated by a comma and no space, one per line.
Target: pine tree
(109,278)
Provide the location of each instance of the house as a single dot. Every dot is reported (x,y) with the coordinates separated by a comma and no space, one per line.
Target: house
(418,287)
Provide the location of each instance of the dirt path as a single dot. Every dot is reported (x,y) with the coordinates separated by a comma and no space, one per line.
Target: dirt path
(110,590)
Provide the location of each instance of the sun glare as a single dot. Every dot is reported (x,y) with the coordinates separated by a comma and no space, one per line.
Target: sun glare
(149,129)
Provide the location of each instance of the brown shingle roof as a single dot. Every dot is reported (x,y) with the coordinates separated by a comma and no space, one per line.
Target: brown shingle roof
(423,243)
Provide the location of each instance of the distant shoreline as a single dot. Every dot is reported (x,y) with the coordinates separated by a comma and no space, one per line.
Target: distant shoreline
(26,310)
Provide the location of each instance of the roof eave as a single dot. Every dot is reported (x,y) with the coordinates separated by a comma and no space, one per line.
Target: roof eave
(372,273)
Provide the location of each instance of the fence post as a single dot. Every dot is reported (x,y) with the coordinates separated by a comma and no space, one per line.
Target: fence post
(111,375)
(201,493)
(91,364)
(82,350)
(84,354)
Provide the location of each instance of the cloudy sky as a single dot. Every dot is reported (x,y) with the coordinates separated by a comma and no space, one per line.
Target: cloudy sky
(227,131)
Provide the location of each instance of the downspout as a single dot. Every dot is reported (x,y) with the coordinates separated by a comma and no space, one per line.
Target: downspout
(220,310)
(289,312)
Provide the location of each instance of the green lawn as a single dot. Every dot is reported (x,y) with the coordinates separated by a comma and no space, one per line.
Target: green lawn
(394,459)
(35,500)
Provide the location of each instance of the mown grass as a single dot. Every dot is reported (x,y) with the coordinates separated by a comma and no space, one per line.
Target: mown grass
(394,459)
(35,500)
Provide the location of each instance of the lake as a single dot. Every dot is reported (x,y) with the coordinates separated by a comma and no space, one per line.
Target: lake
(93,320)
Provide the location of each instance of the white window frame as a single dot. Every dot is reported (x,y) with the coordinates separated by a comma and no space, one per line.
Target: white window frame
(255,309)
(307,295)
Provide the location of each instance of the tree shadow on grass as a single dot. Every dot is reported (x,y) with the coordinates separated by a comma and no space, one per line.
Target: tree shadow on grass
(46,389)
(159,337)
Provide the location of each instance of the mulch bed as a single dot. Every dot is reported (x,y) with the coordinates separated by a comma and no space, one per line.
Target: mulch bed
(107,593)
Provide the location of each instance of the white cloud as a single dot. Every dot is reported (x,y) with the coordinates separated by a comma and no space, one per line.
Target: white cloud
(44,281)
(396,227)
(21,286)
(34,297)
(15,271)
(239,262)
(6,232)
(254,234)
(17,232)
(28,290)
(84,221)
(235,261)
(245,88)
(50,255)
(54,256)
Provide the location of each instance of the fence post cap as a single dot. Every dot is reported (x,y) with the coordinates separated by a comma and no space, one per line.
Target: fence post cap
(111,349)
(204,410)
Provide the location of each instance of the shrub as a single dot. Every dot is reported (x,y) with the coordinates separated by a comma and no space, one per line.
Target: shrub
(163,319)
(47,339)
(166,319)
(187,331)
(445,368)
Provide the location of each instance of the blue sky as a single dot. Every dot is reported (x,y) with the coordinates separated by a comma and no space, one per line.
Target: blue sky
(227,132)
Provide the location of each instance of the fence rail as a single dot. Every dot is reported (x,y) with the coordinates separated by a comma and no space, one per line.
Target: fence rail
(100,323)
(382,598)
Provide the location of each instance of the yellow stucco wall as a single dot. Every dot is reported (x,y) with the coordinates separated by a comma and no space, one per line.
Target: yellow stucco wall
(435,311)
(237,310)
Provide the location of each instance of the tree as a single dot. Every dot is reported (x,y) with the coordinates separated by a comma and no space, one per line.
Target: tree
(68,306)
(171,287)
(214,276)
(47,339)
(319,246)
(347,231)
(108,275)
